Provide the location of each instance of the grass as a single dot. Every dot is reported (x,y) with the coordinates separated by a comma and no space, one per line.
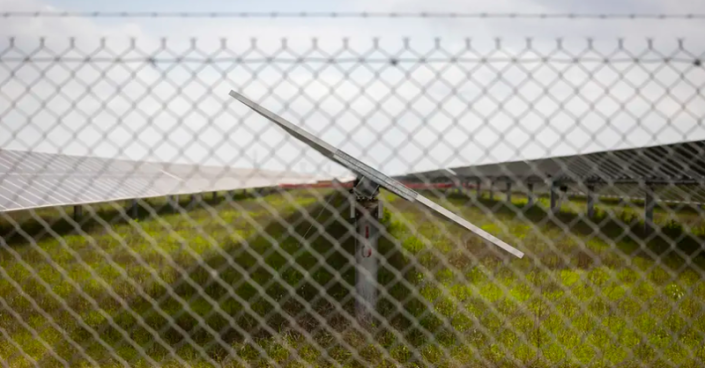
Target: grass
(232,283)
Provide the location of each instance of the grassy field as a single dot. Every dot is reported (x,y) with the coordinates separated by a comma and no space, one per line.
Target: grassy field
(232,283)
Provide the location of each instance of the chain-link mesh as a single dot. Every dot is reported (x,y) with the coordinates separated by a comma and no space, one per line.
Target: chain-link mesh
(117,260)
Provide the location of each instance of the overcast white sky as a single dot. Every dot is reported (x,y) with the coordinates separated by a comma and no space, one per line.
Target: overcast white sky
(415,115)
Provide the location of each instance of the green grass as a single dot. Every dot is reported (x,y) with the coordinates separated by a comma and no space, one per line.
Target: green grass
(232,283)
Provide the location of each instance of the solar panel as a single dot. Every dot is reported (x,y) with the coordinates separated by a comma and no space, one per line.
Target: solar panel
(680,163)
(34,180)
(363,169)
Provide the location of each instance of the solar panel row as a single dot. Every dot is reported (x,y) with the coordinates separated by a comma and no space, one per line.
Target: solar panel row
(681,163)
(683,194)
(33,180)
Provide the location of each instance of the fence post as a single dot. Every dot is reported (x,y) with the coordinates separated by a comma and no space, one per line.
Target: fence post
(530,200)
(491,190)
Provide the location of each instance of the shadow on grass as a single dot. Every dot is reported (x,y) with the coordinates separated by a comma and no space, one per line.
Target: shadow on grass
(28,227)
(270,285)
(623,228)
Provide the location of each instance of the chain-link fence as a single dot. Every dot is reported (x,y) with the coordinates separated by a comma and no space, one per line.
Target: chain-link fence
(112,261)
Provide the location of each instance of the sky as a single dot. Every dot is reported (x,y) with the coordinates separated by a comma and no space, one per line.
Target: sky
(404,95)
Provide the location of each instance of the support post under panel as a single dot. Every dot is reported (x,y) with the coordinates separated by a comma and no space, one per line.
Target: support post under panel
(478,189)
(649,204)
(554,197)
(77,213)
(366,257)
(134,208)
(509,192)
(590,201)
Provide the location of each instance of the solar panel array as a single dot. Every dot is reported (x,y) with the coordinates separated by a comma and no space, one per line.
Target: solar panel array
(681,163)
(33,180)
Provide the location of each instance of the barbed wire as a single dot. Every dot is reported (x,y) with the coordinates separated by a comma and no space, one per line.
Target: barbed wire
(392,61)
(387,15)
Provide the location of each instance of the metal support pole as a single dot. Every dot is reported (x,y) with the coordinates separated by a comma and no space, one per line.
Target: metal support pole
(77,213)
(367,211)
(134,208)
(562,195)
(509,192)
(215,196)
(591,201)
(554,197)
(649,204)
(478,189)
(196,199)
(530,198)
(491,190)
(366,256)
